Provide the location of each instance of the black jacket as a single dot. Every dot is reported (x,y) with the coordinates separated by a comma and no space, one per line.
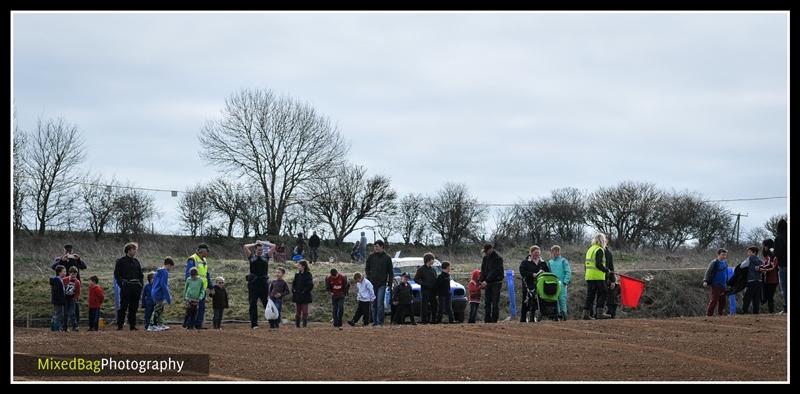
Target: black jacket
(443,284)
(57,296)
(402,294)
(610,278)
(492,268)
(780,249)
(379,269)
(527,270)
(425,277)
(738,281)
(313,242)
(77,263)
(302,285)
(220,297)
(128,269)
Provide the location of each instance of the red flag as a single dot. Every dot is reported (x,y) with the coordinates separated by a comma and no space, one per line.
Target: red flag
(630,290)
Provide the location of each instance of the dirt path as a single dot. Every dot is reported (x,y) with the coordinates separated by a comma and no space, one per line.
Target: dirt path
(609,350)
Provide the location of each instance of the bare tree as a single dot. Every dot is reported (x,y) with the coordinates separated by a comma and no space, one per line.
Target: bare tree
(298,219)
(675,219)
(20,181)
(344,199)
(772,224)
(410,216)
(625,211)
(51,164)
(278,142)
(132,210)
(253,211)
(98,203)
(566,213)
(713,224)
(756,235)
(195,209)
(454,214)
(226,199)
(388,223)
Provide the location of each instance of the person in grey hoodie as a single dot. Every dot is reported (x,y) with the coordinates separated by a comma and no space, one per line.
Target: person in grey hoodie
(754,268)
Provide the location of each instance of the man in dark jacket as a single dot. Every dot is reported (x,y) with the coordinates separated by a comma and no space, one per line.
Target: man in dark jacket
(781,243)
(443,293)
(612,290)
(129,276)
(379,273)
(401,300)
(529,269)
(69,260)
(58,299)
(313,246)
(425,277)
(492,280)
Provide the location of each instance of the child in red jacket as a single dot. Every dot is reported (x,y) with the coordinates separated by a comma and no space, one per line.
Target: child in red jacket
(96,297)
(474,287)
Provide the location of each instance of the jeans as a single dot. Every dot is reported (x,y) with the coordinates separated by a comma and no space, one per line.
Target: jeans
(445,306)
(58,318)
(753,293)
(362,311)
(491,312)
(148,314)
(94,319)
(278,304)
(217,322)
(717,300)
(427,310)
(69,314)
(378,307)
(473,311)
(784,288)
(338,311)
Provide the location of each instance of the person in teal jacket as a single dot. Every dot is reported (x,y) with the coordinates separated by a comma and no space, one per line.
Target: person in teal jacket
(560,267)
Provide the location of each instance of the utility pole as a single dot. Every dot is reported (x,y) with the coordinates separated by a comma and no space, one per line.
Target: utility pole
(737,225)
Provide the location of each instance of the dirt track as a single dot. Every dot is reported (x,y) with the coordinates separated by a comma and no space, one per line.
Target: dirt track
(608,350)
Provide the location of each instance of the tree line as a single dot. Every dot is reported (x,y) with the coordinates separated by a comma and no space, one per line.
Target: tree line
(283,169)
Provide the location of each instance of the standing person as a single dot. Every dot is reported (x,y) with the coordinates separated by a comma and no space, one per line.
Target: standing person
(337,286)
(129,276)
(365,297)
(72,289)
(425,277)
(780,254)
(198,260)
(474,288)
(69,259)
(278,290)
(160,293)
(355,257)
(300,246)
(612,290)
(302,285)
(402,299)
(529,269)
(717,277)
(313,246)
(219,296)
(147,301)
(492,280)
(193,292)
(58,299)
(561,268)
(770,276)
(96,297)
(595,276)
(257,254)
(444,295)
(379,272)
(363,248)
(753,293)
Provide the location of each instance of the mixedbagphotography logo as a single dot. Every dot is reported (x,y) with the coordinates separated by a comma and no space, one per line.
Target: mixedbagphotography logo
(111,365)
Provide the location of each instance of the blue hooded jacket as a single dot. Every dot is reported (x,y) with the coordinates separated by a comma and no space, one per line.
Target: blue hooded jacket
(160,291)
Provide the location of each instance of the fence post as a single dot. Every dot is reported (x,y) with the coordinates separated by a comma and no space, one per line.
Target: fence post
(28,320)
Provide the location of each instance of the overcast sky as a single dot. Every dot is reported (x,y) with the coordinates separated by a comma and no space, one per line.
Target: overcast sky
(511,104)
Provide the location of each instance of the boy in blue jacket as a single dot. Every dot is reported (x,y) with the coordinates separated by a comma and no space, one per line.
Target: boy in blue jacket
(147,300)
(160,294)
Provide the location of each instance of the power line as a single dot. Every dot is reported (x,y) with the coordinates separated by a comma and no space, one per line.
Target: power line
(747,199)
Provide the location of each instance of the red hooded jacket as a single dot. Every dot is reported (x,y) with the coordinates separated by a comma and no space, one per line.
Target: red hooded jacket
(474,287)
